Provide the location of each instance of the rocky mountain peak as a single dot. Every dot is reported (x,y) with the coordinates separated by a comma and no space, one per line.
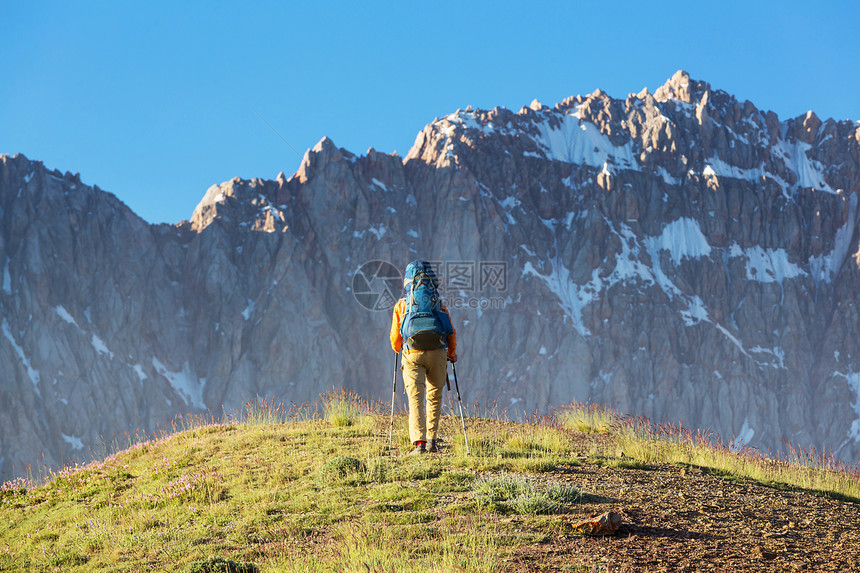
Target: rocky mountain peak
(35,193)
(808,128)
(19,166)
(323,153)
(682,88)
(256,204)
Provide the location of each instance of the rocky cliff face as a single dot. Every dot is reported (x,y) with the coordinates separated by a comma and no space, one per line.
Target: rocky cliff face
(680,255)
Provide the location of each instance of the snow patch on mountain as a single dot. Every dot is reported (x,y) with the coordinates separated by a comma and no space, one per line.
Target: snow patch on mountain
(64,315)
(73,441)
(377,231)
(853,380)
(744,437)
(628,264)
(778,355)
(7,279)
(509,203)
(766,265)
(249,310)
(185,383)
(101,347)
(683,239)
(810,173)
(572,297)
(695,311)
(32,373)
(466,119)
(581,143)
(717,168)
(138,369)
(825,267)
(666,176)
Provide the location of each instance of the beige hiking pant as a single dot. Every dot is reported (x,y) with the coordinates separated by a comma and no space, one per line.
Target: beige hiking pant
(427,370)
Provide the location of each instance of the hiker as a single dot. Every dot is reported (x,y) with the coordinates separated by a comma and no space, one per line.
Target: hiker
(422,333)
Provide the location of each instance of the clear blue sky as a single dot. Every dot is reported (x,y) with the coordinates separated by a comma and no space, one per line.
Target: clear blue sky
(156,101)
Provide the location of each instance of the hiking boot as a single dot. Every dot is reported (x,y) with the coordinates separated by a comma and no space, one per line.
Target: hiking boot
(433,446)
(420,448)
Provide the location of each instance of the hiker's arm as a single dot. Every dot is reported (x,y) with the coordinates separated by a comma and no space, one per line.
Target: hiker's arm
(396,339)
(452,347)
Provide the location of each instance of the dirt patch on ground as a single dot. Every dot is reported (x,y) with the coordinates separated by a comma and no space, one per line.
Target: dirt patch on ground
(688,519)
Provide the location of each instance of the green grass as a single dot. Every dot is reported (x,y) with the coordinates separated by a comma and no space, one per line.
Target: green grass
(522,495)
(301,490)
(666,443)
(342,409)
(636,442)
(277,492)
(587,418)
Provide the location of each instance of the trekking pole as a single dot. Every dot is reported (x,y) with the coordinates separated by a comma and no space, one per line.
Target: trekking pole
(462,419)
(393,393)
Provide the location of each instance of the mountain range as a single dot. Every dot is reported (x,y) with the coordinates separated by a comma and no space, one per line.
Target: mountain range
(681,255)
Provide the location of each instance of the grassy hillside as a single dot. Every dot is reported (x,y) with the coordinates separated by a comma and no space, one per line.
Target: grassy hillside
(312,490)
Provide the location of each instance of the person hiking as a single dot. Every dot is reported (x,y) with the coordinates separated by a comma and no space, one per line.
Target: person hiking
(421,331)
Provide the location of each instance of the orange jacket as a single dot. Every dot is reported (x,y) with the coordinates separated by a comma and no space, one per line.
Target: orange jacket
(397,339)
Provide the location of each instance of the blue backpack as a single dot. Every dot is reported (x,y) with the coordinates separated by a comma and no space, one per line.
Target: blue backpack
(425,325)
